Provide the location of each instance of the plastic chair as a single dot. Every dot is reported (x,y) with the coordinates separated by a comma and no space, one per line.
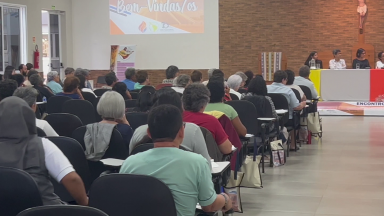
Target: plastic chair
(100,92)
(40,132)
(75,154)
(82,109)
(89,97)
(136,119)
(130,103)
(109,194)
(55,104)
(18,191)
(64,123)
(62,210)
(134,95)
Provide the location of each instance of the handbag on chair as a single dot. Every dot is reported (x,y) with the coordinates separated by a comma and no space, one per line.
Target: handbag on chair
(278,153)
(252,177)
(314,123)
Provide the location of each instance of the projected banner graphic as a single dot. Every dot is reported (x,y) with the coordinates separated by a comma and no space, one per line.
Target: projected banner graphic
(156,16)
(122,57)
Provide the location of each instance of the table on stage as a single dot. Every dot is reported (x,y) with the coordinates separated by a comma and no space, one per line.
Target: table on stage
(348,84)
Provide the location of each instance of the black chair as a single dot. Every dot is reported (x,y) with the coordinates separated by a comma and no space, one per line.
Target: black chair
(40,132)
(101,80)
(242,90)
(75,154)
(307,92)
(82,109)
(55,104)
(63,123)
(109,194)
(100,92)
(88,96)
(97,116)
(62,210)
(18,191)
(297,94)
(134,95)
(136,119)
(130,103)
(142,148)
(234,97)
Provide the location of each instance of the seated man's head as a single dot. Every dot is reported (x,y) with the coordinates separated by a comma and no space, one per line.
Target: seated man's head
(234,82)
(53,76)
(216,88)
(258,86)
(18,78)
(7,87)
(280,76)
(130,74)
(84,72)
(167,96)
(243,77)
(196,76)
(120,88)
(196,97)
(36,80)
(172,72)
(165,125)
(31,72)
(111,79)
(71,85)
(304,71)
(290,77)
(142,77)
(111,106)
(217,72)
(144,98)
(29,66)
(182,81)
(23,69)
(69,72)
(28,94)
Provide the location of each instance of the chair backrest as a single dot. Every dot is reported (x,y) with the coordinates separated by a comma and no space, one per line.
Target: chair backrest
(213,150)
(40,132)
(82,109)
(307,92)
(242,90)
(55,104)
(151,196)
(88,96)
(101,80)
(130,103)
(297,93)
(247,114)
(64,123)
(279,100)
(97,116)
(100,92)
(136,119)
(18,191)
(75,154)
(234,97)
(160,86)
(134,95)
(62,210)
(142,148)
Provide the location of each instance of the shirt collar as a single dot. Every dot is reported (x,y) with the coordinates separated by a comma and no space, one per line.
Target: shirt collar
(277,84)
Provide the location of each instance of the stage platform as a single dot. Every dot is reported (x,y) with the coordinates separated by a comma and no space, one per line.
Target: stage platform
(339,108)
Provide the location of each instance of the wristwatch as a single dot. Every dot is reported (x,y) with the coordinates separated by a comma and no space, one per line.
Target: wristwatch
(225,197)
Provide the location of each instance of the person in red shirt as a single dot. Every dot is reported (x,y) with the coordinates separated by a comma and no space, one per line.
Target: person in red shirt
(195,99)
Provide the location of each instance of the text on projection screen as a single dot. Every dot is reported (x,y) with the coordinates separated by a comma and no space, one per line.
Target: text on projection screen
(156,16)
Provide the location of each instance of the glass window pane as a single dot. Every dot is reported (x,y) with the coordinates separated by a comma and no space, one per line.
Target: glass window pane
(11,37)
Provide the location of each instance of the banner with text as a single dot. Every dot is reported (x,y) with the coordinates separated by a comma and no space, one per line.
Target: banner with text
(122,57)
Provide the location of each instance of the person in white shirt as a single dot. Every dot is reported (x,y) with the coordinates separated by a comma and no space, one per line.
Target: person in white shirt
(181,82)
(82,86)
(290,80)
(304,80)
(337,62)
(234,82)
(29,95)
(380,63)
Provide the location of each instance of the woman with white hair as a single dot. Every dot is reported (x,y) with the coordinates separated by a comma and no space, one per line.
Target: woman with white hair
(234,83)
(53,81)
(181,82)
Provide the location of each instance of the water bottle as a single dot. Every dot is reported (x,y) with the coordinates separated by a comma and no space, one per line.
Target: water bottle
(44,99)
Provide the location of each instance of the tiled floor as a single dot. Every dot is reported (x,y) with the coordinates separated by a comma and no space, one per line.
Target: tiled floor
(341,176)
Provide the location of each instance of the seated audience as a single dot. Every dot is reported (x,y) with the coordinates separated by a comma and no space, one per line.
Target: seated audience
(18,78)
(250,76)
(243,77)
(210,73)
(171,73)
(69,72)
(193,137)
(380,63)
(360,60)
(142,79)
(234,82)
(23,70)
(196,76)
(303,79)
(111,80)
(53,82)
(29,95)
(195,100)
(111,107)
(130,81)
(21,148)
(38,83)
(85,73)
(290,80)
(121,88)
(313,55)
(144,99)
(71,88)
(181,82)
(30,73)
(7,87)
(216,88)
(218,74)
(82,84)
(29,66)
(337,62)
(9,70)
(193,185)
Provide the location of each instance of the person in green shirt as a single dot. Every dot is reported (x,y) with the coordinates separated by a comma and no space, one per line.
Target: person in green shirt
(142,79)
(216,87)
(187,174)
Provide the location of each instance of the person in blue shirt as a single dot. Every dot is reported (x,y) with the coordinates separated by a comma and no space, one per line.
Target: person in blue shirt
(53,82)
(71,88)
(130,81)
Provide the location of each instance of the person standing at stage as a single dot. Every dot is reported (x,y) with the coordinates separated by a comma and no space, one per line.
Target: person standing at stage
(337,62)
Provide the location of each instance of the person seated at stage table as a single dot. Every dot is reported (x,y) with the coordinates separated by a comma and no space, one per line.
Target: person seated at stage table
(337,62)
(234,82)
(217,90)
(53,82)
(291,79)
(142,79)
(197,76)
(313,55)
(71,88)
(303,79)
(361,60)
(181,82)
(171,73)
(111,80)
(195,100)
(380,63)
(121,88)
(190,185)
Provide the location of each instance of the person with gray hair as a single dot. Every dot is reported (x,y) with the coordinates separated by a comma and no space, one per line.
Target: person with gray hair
(53,82)
(85,73)
(69,71)
(29,95)
(181,82)
(195,100)
(210,73)
(243,76)
(38,83)
(234,83)
(130,78)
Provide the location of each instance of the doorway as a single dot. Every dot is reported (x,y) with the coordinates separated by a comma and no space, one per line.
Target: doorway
(52,40)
